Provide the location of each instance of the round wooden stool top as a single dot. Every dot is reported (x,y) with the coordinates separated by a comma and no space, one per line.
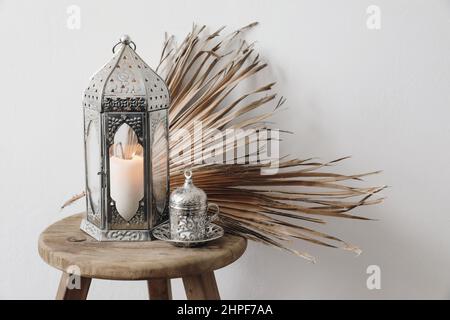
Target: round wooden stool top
(63,245)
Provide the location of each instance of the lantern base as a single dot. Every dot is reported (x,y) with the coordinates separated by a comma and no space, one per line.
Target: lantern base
(114,235)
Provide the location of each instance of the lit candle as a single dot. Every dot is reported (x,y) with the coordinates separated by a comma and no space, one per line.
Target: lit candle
(127,184)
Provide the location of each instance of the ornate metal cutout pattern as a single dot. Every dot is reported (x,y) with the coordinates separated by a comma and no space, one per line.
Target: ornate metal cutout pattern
(138,104)
(94,92)
(114,235)
(124,235)
(157,92)
(188,227)
(213,232)
(126,76)
(137,222)
(115,121)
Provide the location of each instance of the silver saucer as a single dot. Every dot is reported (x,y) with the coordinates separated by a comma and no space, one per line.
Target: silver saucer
(162,232)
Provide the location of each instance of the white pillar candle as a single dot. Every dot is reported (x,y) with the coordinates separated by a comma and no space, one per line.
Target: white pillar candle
(127,184)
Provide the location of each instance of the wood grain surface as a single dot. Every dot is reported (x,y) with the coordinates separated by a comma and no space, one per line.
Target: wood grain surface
(63,245)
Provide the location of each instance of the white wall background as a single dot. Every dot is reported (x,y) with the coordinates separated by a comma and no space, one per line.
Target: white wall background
(382,96)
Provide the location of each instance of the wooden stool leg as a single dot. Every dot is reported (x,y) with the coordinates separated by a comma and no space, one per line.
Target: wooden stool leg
(201,287)
(65,292)
(159,289)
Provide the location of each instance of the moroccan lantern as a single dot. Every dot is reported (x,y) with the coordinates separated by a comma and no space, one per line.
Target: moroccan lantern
(126,148)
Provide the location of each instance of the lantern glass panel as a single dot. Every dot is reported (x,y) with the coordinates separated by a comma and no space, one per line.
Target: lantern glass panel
(159,164)
(93,159)
(126,172)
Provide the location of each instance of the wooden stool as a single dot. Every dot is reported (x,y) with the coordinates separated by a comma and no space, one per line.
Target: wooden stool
(64,246)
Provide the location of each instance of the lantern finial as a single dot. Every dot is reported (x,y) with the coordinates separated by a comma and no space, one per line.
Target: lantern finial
(125,39)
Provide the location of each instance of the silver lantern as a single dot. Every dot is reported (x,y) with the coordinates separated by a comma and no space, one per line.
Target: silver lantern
(126,148)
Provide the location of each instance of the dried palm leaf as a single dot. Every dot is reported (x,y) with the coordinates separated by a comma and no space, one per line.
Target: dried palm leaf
(202,73)
(72,200)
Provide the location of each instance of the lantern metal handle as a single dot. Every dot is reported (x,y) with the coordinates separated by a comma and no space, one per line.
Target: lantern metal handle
(125,39)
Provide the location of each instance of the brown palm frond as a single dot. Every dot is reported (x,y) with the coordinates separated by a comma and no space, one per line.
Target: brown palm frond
(72,200)
(203,73)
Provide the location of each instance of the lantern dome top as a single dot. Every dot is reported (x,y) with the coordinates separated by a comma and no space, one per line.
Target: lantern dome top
(126,83)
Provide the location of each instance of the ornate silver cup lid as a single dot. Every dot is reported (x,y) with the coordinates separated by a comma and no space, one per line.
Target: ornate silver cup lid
(188,196)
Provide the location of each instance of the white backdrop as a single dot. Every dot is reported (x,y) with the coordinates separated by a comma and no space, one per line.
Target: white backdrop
(381,96)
